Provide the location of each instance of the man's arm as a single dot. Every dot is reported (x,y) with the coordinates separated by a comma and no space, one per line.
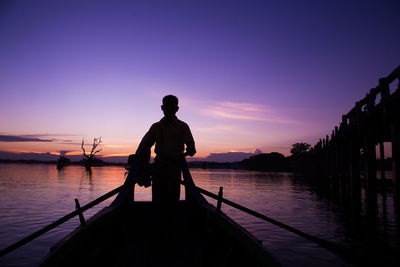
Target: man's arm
(189,141)
(144,149)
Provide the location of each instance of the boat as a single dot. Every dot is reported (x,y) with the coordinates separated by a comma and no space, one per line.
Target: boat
(138,233)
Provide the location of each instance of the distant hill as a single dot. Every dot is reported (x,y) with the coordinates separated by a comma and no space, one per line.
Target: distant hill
(230,156)
(273,161)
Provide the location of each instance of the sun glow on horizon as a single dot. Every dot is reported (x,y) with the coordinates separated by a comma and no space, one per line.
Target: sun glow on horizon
(20,151)
(239,87)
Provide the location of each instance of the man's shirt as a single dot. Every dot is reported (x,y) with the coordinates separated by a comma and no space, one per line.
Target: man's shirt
(170,137)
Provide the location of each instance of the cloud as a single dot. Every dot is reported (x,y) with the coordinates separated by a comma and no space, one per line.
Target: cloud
(23,138)
(245,111)
(69,143)
(217,128)
(46,137)
(250,107)
(50,134)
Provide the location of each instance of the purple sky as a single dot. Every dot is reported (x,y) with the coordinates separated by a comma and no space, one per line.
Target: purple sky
(249,74)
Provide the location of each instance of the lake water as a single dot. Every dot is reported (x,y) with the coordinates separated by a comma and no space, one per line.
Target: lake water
(32,196)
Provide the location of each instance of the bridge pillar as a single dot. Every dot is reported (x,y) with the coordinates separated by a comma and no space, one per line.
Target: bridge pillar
(354,167)
(370,168)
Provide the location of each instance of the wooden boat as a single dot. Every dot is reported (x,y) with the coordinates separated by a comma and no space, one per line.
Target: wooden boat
(129,233)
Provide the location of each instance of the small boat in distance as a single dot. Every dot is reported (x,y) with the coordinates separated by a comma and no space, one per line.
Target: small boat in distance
(129,233)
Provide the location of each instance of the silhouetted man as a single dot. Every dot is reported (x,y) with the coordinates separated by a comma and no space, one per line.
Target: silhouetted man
(170,136)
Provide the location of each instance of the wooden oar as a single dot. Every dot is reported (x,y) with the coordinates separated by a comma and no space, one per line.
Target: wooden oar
(333,247)
(126,187)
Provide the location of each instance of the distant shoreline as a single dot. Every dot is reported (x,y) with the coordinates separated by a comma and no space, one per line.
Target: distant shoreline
(193,164)
(238,165)
(32,161)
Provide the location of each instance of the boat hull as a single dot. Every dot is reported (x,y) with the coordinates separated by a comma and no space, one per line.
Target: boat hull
(142,234)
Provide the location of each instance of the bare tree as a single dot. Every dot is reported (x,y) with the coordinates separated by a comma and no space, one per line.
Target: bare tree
(89,159)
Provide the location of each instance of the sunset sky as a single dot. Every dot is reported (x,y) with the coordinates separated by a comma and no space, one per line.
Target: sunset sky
(248,74)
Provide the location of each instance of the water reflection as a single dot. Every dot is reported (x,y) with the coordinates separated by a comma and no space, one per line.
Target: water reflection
(34,195)
(370,224)
(86,181)
(335,212)
(60,173)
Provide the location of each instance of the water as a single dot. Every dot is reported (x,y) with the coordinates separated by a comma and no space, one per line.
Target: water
(32,196)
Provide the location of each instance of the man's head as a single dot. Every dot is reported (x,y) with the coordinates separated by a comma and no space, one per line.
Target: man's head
(170,106)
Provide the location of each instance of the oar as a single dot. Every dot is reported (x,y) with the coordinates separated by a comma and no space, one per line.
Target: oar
(65,218)
(333,247)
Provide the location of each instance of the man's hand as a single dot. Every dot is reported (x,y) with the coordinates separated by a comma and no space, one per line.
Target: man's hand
(191,151)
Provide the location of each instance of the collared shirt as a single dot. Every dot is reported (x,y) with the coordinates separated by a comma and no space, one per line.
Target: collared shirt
(170,136)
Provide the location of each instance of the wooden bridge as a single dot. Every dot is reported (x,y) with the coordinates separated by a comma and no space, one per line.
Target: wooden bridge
(350,152)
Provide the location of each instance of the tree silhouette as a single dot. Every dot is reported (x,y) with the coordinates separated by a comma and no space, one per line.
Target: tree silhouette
(299,148)
(62,161)
(89,160)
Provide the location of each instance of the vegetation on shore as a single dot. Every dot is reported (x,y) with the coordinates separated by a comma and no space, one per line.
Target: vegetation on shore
(272,162)
(261,162)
